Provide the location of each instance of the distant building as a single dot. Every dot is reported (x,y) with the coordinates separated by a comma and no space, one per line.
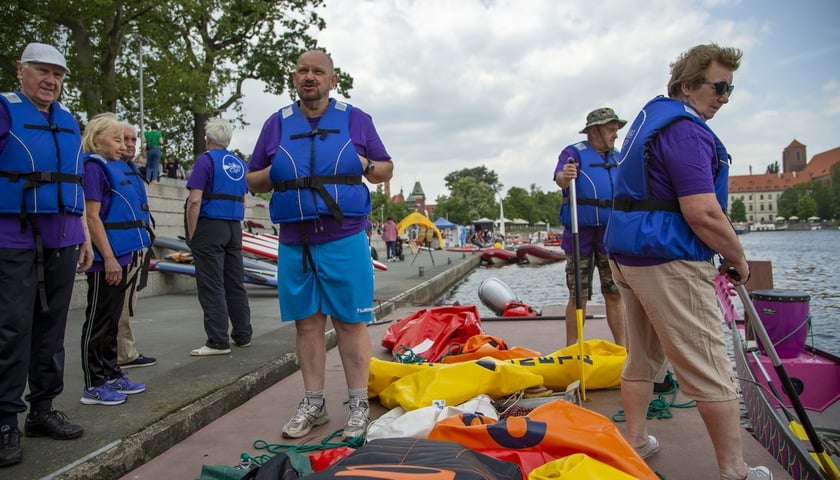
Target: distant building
(760,193)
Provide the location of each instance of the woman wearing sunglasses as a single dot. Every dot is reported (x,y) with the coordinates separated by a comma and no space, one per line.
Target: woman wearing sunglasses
(667,223)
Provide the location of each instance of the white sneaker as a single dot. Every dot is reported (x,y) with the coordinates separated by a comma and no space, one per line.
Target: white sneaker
(357,419)
(306,417)
(205,351)
(758,473)
(649,448)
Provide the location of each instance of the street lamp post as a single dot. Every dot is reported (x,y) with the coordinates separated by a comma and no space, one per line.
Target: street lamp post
(140,40)
(502,220)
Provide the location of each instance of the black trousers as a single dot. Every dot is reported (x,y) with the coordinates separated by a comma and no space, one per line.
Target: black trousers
(99,332)
(217,252)
(32,339)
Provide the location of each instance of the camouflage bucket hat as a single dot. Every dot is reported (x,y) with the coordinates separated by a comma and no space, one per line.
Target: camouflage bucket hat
(602,116)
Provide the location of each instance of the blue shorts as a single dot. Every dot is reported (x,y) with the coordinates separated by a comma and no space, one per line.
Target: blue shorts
(341,285)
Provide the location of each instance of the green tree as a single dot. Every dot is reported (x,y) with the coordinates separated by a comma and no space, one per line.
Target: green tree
(738,211)
(469,200)
(773,167)
(382,207)
(835,191)
(519,204)
(789,200)
(197,55)
(806,207)
(547,205)
(822,199)
(480,174)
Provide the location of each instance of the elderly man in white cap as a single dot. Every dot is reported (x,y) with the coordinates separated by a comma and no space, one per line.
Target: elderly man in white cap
(43,244)
(592,162)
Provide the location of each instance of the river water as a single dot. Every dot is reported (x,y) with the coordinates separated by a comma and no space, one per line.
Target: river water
(804,261)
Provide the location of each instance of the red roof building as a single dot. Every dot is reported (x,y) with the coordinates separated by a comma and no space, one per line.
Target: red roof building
(760,193)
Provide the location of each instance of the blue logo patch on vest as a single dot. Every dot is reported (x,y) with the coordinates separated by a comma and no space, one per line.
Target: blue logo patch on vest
(233,168)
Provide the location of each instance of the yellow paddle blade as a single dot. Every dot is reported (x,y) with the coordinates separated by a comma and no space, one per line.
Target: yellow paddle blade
(824,459)
(579,317)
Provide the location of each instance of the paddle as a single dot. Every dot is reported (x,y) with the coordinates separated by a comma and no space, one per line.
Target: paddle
(822,456)
(536,317)
(578,297)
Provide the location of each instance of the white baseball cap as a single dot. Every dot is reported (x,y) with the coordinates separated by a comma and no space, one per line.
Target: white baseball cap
(43,53)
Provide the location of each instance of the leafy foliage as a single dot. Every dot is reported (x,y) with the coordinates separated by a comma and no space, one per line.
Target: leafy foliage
(473,196)
(196,56)
(738,211)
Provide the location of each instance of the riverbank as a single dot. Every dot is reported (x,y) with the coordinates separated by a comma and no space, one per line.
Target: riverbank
(186,393)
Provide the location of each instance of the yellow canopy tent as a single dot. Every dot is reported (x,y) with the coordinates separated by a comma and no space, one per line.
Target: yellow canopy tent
(419,219)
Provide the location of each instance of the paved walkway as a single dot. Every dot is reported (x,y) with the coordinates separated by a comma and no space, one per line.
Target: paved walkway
(186,393)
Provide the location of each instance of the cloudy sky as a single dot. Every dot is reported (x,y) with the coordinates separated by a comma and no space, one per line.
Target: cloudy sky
(507,83)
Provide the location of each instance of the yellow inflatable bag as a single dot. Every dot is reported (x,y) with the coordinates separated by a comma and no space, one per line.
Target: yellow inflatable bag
(578,466)
(457,383)
(603,362)
(385,372)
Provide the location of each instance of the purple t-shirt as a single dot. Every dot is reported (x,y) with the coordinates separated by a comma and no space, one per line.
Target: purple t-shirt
(201,177)
(98,189)
(587,236)
(682,162)
(57,230)
(324,229)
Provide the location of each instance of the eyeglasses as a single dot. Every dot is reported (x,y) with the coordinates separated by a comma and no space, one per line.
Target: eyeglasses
(721,88)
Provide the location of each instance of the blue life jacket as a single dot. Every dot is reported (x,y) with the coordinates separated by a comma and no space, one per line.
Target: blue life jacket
(317,172)
(41,166)
(139,181)
(645,227)
(593,188)
(126,223)
(226,199)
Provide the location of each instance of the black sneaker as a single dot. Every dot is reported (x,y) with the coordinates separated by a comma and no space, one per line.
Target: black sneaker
(52,424)
(140,361)
(10,452)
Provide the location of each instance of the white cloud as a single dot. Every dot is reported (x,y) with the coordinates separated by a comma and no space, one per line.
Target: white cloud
(507,84)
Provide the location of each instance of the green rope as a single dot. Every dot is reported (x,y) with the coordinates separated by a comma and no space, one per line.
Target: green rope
(296,452)
(659,407)
(404,354)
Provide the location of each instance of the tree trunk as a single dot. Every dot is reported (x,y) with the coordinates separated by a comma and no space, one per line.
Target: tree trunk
(199,121)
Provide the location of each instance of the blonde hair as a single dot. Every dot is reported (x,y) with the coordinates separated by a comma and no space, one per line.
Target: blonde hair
(98,126)
(692,65)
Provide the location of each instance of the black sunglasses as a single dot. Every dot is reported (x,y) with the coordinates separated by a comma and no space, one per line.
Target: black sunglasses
(721,88)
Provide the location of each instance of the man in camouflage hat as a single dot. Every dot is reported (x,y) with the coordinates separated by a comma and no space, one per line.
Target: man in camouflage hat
(593,163)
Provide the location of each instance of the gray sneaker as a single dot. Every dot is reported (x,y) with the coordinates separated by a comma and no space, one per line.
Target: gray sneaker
(306,417)
(649,448)
(357,419)
(756,473)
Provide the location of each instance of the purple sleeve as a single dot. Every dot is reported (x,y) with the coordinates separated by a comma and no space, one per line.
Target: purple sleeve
(95,182)
(267,144)
(5,125)
(202,175)
(365,137)
(682,158)
(563,159)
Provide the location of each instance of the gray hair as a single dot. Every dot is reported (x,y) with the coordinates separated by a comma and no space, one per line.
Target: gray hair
(219,131)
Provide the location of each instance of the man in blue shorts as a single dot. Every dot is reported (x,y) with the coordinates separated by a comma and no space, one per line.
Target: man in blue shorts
(667,223)
(304,156)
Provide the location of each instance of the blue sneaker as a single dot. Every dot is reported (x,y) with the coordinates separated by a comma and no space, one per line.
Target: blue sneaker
(102,395)
(126,386)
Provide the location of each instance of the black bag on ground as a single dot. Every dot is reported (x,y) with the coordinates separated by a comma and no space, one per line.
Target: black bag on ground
(411,458)
(278,468)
